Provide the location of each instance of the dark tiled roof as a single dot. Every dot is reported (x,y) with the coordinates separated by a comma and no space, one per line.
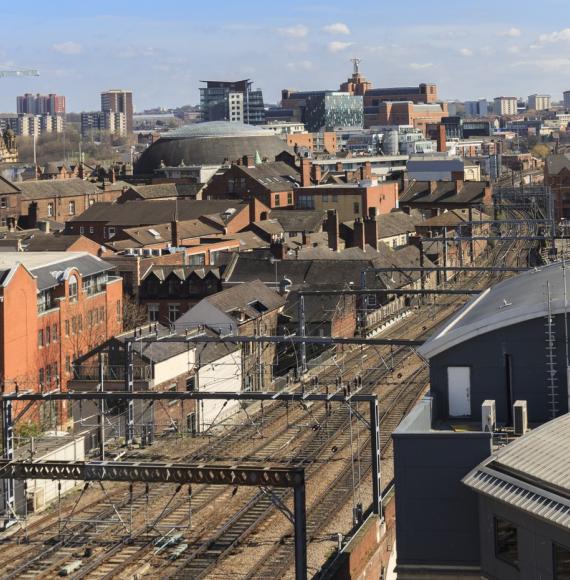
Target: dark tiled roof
(7,186)
(137,213)
(145,236)
(299,220)
(57,187)
(451,218)
(241,296)
(42,242)
(275,175)
(444,192)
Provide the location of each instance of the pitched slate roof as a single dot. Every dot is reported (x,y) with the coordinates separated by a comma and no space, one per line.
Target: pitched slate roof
(166,190)
(299,220)
(57,187)
(444,192)
(137,213)
(241,296)
(146,236)
(452,218)
(7,186)
(42,242)
(556,163)
(274,175)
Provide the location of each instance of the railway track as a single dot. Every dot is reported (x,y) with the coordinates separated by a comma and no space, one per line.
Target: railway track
(118,555)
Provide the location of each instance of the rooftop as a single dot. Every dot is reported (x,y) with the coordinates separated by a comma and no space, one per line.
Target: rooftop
(215,129)
(513,301)
(531,474)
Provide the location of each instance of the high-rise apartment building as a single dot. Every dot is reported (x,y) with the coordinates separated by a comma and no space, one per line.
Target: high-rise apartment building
(119,101)
(103,122)
(539,102)
(26,125)
(478,108)
(232,101)
(566,99)
(505,106)
(51,104)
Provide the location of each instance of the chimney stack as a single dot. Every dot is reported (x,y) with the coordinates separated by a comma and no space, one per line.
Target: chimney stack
(306,172)
(248,161)
(371,229)
(316,174)
(306,237)
(441,139)
(331,227)
(175,240)
(359,239)
(278,249)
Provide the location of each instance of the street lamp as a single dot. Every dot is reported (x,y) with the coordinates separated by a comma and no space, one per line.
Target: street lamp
(275,261)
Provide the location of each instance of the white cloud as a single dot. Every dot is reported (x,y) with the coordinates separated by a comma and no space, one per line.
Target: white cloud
(296,31)
(301,65)
(420,65)
(560,36)
(337,28)
(338,46)
(465,52)
(513,49)
(68,47)
(513,32)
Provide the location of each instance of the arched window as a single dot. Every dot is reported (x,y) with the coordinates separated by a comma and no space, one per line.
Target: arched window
(73,288)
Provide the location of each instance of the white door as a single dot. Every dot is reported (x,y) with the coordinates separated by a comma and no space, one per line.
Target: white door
(459,391)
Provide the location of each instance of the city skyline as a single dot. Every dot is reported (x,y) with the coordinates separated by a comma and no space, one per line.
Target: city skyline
(96,49)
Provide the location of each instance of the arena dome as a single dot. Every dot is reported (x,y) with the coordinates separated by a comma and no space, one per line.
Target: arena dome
(211,143)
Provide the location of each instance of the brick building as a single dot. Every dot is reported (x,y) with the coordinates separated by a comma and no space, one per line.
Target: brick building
(167,292)
(272,183)
(419,115)
(54,306)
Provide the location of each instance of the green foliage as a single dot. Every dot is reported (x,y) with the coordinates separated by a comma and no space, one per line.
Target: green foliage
(28,429)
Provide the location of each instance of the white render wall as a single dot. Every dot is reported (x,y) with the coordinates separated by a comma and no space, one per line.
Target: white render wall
(223,374)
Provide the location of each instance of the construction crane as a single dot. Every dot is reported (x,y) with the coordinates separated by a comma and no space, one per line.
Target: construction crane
(19,73)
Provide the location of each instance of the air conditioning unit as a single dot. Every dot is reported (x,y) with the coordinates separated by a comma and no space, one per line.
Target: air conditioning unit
(488,416)
(520,415)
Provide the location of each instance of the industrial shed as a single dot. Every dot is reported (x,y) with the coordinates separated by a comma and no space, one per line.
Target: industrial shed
(504,346)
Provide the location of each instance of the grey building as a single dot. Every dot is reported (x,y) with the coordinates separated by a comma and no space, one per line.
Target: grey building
(233,101)
(523,495)
(330,110)
(503,346)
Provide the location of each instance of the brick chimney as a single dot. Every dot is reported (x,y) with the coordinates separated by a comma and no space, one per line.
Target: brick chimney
(365,171)
(432,186)
(306,237)
(358,240)
(316,174)
(339,167)
(175,240)
(81,171)
(248,161)
(278,249)
(371,229)
(441,138)
(459,183)
(331,227)
(306,172)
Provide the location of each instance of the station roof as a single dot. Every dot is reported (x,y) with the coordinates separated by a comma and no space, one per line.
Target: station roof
(516,300)
(531,474)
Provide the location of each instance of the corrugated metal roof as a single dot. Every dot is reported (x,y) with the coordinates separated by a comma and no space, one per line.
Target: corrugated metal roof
(532,473)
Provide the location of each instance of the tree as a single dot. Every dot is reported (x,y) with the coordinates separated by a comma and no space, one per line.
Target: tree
(541,150)
(134,314)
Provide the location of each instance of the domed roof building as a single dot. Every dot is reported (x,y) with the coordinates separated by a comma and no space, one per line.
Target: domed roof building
(211,143)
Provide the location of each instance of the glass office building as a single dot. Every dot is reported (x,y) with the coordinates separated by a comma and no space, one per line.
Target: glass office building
(232,101)
(330,110)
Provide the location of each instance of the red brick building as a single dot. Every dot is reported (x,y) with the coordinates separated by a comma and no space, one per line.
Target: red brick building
(54,306)
(557,177)
(418,115)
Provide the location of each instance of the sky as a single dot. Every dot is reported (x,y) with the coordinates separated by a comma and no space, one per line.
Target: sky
(161,49)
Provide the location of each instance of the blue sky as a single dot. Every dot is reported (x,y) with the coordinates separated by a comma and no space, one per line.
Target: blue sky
(162,48)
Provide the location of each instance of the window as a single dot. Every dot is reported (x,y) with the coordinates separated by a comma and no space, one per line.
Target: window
(91,229)
(3,202)
(191,423)
(325,197)
(173,287)
(110,232)
(40,338)
(102,314)
(80,323)
(41,377)
(191,383)
(289,199)
(74,325)
(334,197)
(173,312)
(71,208)
(54,333)
(48,375)
(73,288)
(561,562)
(48,335)
(81,230)
(67,363)
(277,200)
(119,311)
(356,207)
(506,542)
(153,312)
(67,328)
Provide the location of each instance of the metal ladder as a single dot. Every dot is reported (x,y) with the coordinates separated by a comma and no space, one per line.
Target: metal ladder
(551,363)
